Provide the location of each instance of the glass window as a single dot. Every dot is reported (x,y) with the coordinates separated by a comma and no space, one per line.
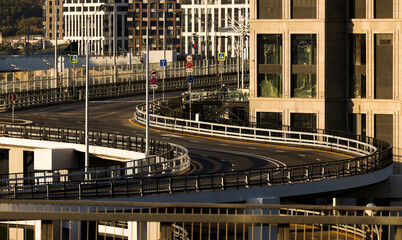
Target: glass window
(269,9)
(271,120)
(269,57)
(304,54)
(383,66)
(304,8)
(358,75)
(358,124)
(358,9)
(383,8)
(269,85)
(303,121)
(383,128)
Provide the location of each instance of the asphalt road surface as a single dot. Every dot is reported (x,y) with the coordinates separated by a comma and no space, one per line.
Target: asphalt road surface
(207,154)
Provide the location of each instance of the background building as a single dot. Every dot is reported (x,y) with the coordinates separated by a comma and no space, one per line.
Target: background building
(49,16)
(97,24)
(328,64)
(203,18)
(138,22)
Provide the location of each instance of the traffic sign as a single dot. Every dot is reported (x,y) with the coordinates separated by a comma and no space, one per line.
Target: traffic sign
(153,86)
(13,97)
(221,56)
(153,81)
(73,58)
(153,73)
(189,58)
(190,78)
(189,70)
(163,63)
(189,65)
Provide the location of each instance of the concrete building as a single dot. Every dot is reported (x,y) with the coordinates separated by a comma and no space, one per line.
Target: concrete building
(83,19)
(203,20)
(49,19)
(328,64)
(138,22)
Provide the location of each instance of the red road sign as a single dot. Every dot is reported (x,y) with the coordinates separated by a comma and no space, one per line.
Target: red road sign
(13,97)
(154,81)
(189,58)
(189,65)
(153,73)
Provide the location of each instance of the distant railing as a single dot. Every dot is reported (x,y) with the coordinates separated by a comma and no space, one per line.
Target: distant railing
(43,87)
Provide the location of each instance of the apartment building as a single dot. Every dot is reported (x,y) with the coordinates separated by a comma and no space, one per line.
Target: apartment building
(138,21)
(53,16)
(87,19)
(328,64)
(203,21)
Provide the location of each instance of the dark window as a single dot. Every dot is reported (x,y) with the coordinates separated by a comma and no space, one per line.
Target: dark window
(304,8)
(4,161)
(269,65)
(358,69)
(272,120)
(358,9)
(383,66)
(304,54)
(303,121)
(383,9)
(358,124)
(384,127)
(269,9)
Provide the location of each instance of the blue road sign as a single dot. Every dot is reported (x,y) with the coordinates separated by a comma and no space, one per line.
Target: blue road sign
(73,58)
(190,79)
(163,63)
(221,56)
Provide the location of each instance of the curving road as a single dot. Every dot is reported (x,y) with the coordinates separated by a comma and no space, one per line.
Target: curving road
(207,154)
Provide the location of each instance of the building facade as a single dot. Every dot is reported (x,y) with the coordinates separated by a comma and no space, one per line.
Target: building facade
(203,21)
(138,21)
(328,64)
(82,19)
(53,15)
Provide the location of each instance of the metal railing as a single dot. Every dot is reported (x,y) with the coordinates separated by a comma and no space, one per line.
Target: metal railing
(43,87)
(201,221)
(165,158)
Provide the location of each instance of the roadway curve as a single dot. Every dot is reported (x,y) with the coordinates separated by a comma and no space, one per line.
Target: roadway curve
(208,154)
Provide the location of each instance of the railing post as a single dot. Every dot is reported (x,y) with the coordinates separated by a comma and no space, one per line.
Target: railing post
(170,185)
(197,189)
(16,190)
(141,187)
(323,172)
(223,181)
(79,191)
(111,189)
(47,191)
(269,179)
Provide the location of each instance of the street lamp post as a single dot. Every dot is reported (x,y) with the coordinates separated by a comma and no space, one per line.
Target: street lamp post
(101,7)
(147,85)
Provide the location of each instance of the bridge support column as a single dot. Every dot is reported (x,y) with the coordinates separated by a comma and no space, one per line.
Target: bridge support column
(16,160)
(265,231)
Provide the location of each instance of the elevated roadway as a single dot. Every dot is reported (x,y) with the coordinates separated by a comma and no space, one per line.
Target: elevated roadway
(208,154)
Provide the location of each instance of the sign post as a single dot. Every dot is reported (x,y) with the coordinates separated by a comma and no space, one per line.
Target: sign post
(153,86)
(163,64)
(13,98)
(190,80)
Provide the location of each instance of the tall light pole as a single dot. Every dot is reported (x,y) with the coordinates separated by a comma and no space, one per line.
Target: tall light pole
(101,7)
(206,30)
(164,53)
(56,72)
(147,85)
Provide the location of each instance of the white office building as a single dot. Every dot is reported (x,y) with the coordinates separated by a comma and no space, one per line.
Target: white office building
(203,20)
(82,19)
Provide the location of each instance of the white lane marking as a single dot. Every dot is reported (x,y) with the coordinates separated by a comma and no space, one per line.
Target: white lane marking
(103,115)
(205,156)
(302,155)
(52,119)
(194,141)
(318,159)
(280,151)
(172,135)
(252,148)
(165,138)
(268,159)
(225,145)
(233,165)
(222,160)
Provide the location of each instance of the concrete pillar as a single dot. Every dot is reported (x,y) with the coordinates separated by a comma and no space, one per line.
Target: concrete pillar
(267,231)
(153,231)
(16,233)
(16,160)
